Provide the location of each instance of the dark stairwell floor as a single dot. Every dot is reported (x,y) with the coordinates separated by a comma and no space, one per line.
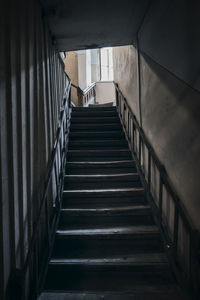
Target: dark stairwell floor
(107,245)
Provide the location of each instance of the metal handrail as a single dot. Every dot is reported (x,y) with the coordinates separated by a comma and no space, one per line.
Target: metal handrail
(132,127)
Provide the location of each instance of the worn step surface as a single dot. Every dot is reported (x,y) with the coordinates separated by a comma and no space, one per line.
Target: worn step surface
(100,168)
(101,217)
(98,144)
(101,181)
(103,273)
(96,127)
(94,113)
(147,292)
(98,155)
(107,245)
(95,120)
(90,135)
(107,242)
(92,109)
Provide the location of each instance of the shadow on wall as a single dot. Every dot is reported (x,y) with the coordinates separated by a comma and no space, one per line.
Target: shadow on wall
(171,120)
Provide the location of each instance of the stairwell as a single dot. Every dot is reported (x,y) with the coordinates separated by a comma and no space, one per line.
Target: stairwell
(107,245)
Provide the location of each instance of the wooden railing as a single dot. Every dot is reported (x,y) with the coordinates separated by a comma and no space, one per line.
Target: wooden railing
(87,96)
(27,282)
(181,240)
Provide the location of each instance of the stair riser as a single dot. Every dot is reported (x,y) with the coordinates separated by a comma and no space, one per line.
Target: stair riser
(94,114)
(99,248)
(95,120)
(72,158)
(99,202)
(96,278)
(96,135)
(100,185)
(95,127)
(67,221)
(94,147)
(94,109)
(90,171)
(98,145)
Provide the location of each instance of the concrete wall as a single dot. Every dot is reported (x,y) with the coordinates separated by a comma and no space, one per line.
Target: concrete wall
(125,73)
(105,92)
(71,68)
(170,112)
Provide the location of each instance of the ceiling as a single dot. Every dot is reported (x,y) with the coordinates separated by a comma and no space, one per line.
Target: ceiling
(76,24)
(168,31)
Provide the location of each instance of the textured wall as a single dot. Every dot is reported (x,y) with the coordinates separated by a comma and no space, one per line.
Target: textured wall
(31,91)
(71,68)
(125,73)
(171,120)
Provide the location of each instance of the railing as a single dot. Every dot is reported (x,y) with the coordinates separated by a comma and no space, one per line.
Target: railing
(28,281)
(87,96)
(181,240)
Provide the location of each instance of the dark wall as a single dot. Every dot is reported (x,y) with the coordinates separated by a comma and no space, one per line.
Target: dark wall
(31,91)
(170,36)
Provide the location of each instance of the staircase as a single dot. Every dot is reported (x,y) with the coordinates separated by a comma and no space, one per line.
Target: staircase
(107,245)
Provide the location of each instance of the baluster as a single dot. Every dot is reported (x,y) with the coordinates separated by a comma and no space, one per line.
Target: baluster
(140,149)
(117,98)
(124,115)
(133,135)
(149,171)
(160,197)
(47,221)
(128,125)
(175,233)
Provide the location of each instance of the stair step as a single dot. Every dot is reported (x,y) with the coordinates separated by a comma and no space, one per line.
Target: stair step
(101,181)
(122,232)
(138,259)
(99,155)
(96,134)
(97,144)
(94,274)
(93,114)
(102,217)
(112,241)
(92,168)
(106,192)
(90,109)
(98,198)
(95,120)
(96,127)
(141,292)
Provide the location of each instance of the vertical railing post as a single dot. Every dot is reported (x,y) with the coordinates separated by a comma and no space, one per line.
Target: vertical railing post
(175,232)
(160,200)
(149,171)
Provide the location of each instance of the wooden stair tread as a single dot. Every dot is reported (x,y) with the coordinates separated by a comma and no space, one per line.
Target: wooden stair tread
(99,163)
(107,209)
(103,191)
(145,259)
(142,292)
(81,119)
(128,230)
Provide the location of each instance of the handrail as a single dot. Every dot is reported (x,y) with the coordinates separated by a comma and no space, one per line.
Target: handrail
(185,261)
(158,163)
(48,177)
(86,96)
